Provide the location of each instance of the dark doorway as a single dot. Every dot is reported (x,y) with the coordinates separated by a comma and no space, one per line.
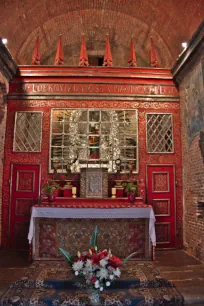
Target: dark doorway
(95,60)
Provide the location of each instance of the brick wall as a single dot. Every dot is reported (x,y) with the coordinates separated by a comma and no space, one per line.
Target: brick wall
(120,18)
(191,87)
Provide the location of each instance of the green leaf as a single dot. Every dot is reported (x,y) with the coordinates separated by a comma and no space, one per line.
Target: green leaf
(66,255)
(94,239)
(129,256)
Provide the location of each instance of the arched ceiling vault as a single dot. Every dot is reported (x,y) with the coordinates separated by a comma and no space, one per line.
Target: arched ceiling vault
(170,22)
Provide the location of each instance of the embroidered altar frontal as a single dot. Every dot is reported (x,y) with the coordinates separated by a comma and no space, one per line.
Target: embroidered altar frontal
(122,236)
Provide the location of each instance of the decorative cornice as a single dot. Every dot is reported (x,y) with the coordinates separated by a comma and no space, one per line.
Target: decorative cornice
(93,72)
(195,44)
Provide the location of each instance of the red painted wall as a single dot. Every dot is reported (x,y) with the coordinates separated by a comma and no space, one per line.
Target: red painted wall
(45,105)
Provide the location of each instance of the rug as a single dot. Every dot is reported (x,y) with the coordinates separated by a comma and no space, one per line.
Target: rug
(51,283)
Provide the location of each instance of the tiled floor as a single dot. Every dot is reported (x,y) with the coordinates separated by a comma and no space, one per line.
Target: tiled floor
(12,267)
(177,266)
(186,272)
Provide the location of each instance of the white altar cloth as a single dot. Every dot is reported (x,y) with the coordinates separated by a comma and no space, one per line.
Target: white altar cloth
(94,213)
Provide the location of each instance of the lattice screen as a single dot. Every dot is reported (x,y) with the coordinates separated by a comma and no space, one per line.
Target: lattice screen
(159,133)
(28,132)
(95,137)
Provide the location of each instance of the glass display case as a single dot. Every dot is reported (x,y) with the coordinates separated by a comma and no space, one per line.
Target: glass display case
(93,138)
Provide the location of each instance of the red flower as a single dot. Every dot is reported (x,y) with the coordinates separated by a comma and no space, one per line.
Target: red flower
(93,280)
(114,261)
(95,259)
(93,250)
(105,253)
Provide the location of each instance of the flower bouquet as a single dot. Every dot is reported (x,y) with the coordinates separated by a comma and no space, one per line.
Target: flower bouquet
(49,188)
(95,269)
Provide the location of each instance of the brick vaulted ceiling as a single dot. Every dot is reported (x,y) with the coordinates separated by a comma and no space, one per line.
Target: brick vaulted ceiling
(170,22)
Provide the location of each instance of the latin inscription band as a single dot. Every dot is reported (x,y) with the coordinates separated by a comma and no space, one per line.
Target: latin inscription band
(45,88)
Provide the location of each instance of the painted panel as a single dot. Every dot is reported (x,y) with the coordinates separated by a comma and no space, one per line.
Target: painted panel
(163,233)
(160,182)
(23,207)
(24,193)
(161,207)
(25,181)
(161,195)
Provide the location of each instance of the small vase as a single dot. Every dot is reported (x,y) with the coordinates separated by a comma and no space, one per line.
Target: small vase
(131,197)
(94,297)
(51,197)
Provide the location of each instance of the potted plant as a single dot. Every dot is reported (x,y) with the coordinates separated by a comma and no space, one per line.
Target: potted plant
(131,189)
(50,188)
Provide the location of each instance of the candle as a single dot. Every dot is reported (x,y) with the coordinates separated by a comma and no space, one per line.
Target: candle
(74,192)
(113,192)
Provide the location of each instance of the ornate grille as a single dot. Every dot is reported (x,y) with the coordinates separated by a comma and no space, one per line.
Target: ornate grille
(97,138)
(28,132)
(159,133)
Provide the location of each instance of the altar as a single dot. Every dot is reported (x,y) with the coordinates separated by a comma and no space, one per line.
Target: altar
(124,228)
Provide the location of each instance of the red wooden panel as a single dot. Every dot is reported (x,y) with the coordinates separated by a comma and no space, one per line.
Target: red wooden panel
(24,193)
(161,195)
(23,207)
(25,181)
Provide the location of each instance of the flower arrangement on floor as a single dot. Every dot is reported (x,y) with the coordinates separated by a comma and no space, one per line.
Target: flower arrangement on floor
(96,269)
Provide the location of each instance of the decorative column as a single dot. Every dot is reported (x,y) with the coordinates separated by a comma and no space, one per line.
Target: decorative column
(8,69)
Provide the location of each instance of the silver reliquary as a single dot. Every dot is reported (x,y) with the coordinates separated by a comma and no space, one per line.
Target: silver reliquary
(94,183)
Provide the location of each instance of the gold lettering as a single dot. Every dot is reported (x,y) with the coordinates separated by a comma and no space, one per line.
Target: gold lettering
(50,88)
(39,88)
(69,88)
(61,87)
(45,88)
(34,89)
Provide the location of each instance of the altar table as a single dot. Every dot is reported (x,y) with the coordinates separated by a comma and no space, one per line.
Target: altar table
(124,229)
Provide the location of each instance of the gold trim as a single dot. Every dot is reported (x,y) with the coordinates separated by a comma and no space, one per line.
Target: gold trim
(169,232)
(174,190)
(16,205)
(160,191)
(88,97)
(168,203)
(17,180)
(10,193)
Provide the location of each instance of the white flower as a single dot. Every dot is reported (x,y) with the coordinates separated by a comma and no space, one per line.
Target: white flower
(111,269)
(88,263)
(111,276)
(102,273)
(101,289)
(78,265)
(76,273)
(117,272)
(96,284)
(108,284)
(103,262)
